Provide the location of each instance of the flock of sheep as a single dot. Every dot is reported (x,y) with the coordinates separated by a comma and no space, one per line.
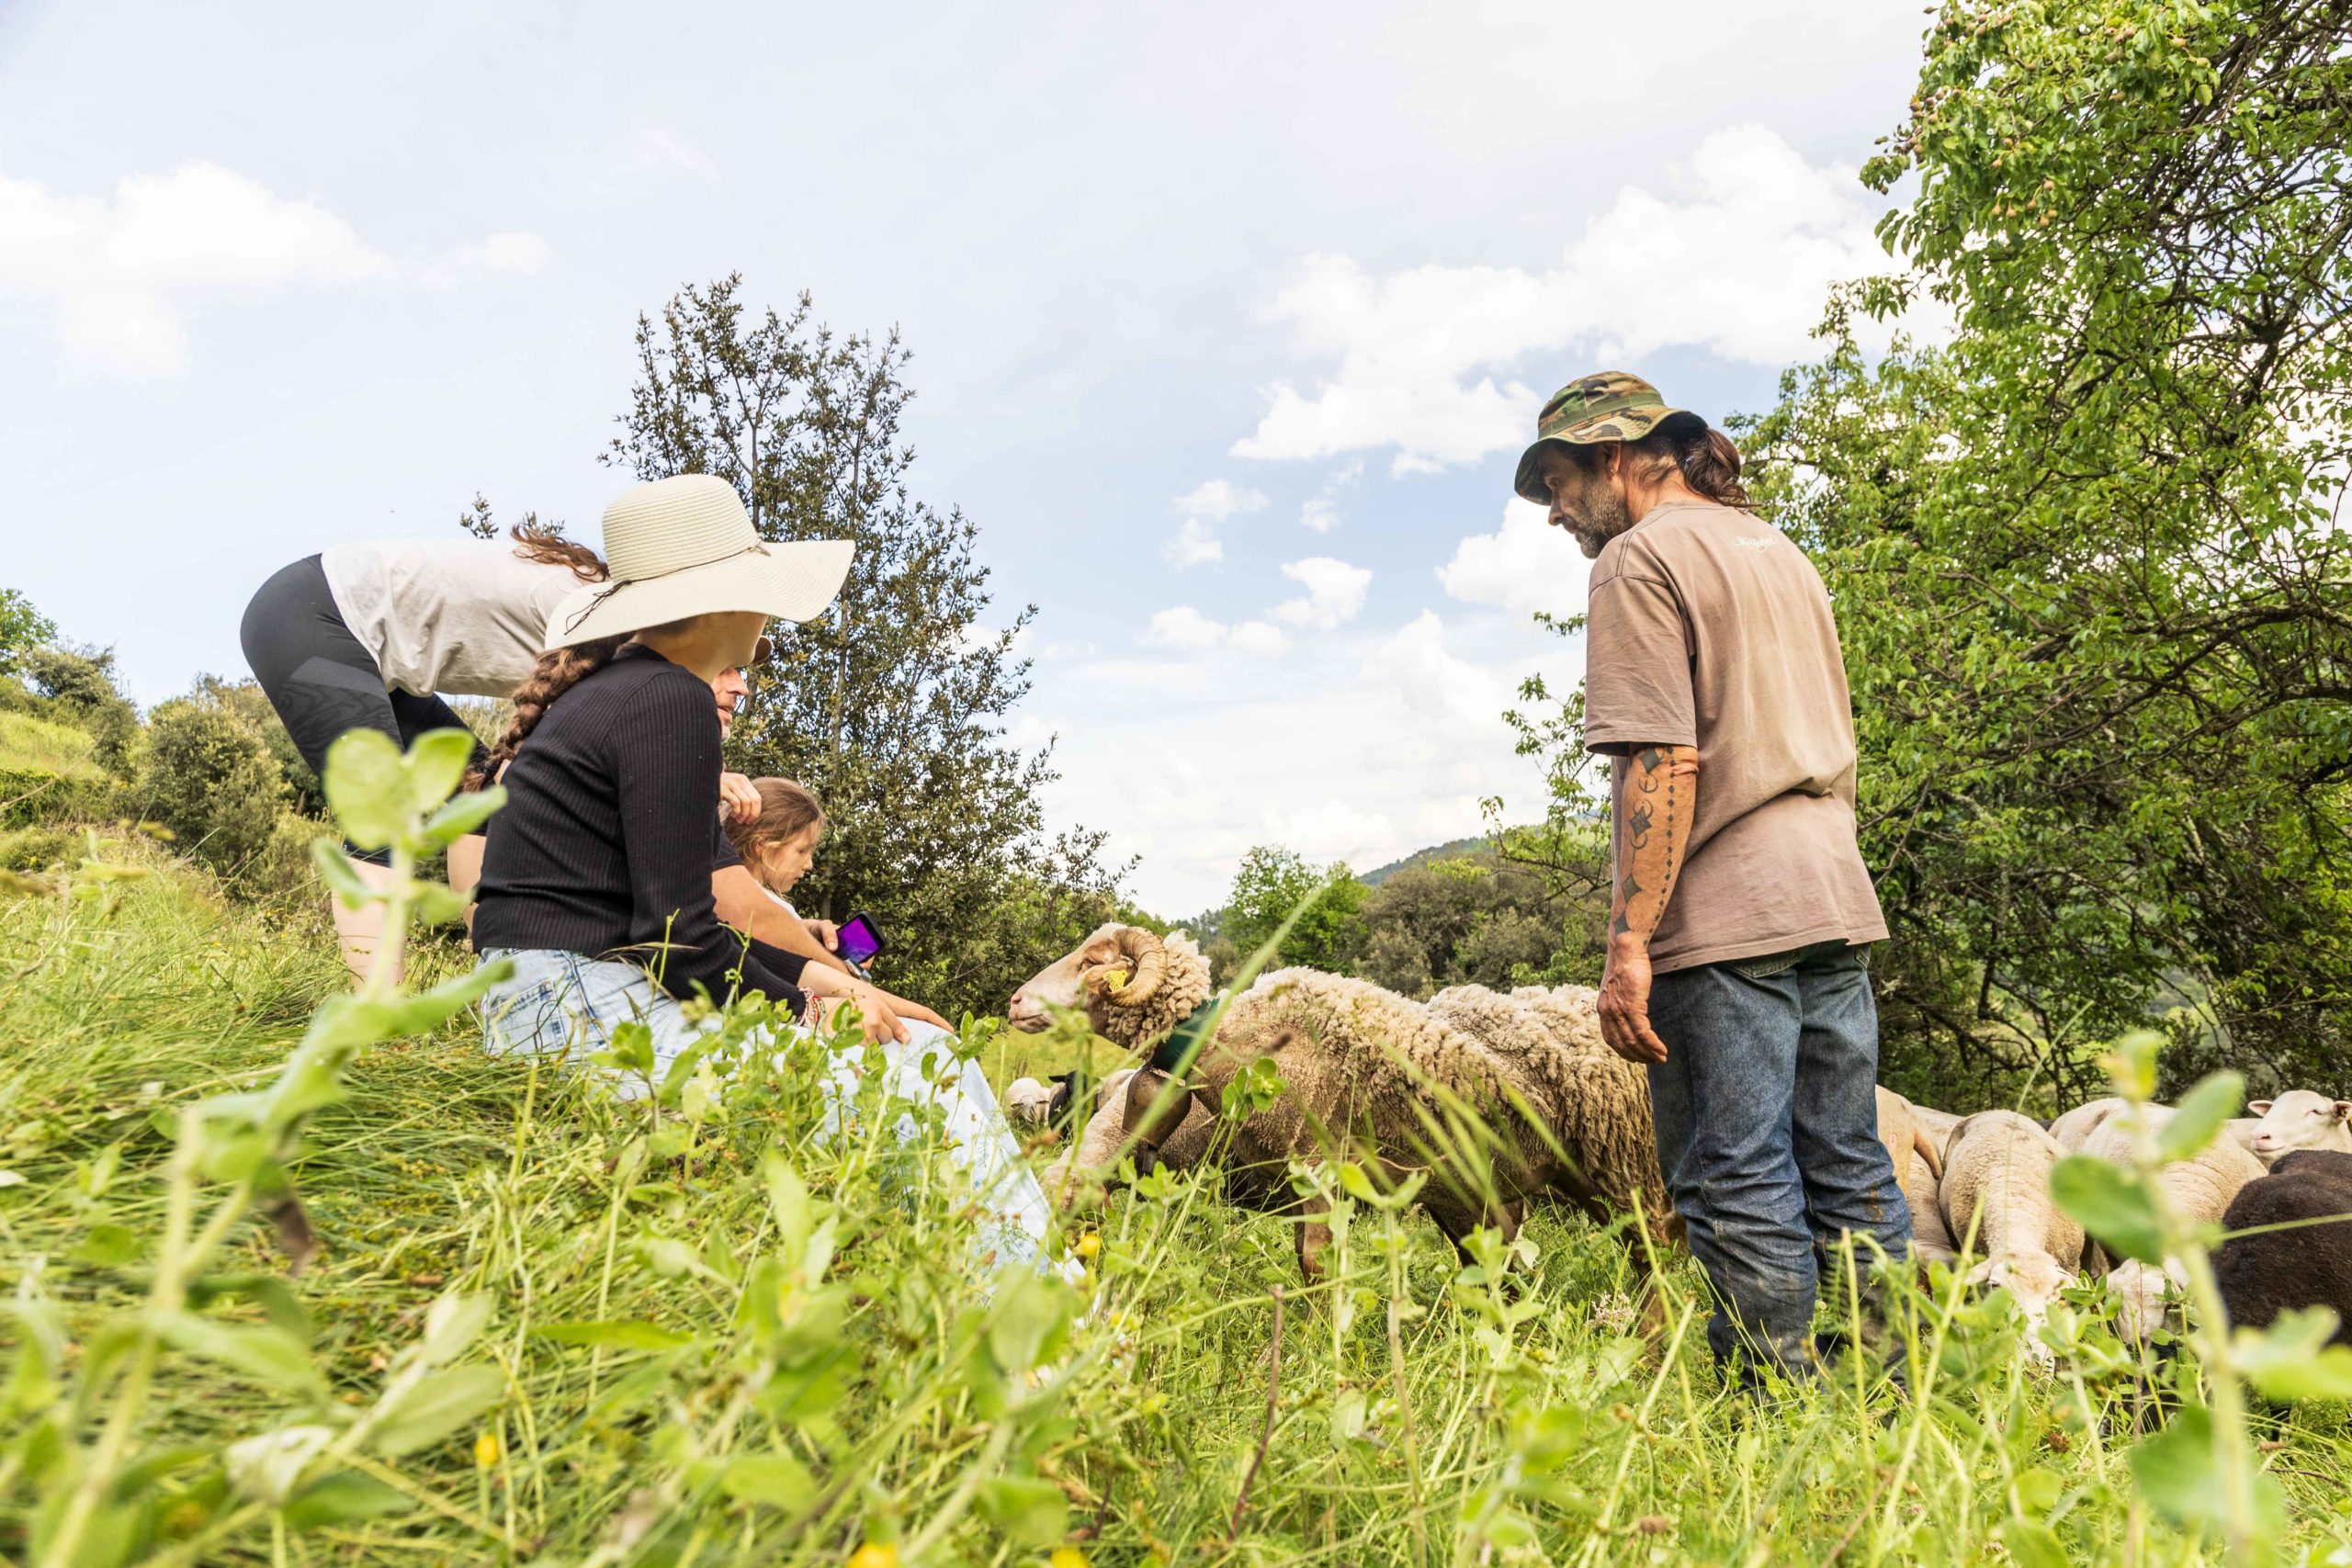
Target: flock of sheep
(1500,1098)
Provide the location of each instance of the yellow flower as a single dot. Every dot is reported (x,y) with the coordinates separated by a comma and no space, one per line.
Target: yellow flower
(486,1449)
(1068,1557)
(1088,1245)
(872,1555)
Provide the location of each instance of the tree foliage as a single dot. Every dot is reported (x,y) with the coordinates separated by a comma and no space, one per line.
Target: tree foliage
(1477,919)
(22,629)
(1271,883)
(2086,555)
(890,707)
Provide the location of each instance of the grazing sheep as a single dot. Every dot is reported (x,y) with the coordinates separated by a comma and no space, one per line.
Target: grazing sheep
(1028,1101)
(2074,1129)
(1937,1124)
(1369,1073)
(2199,1190)
(2300,1119)
(1997,1174)
(1918,1171)
(2262,1276)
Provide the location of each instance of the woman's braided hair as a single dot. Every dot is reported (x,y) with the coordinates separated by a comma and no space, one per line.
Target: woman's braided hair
(556,672)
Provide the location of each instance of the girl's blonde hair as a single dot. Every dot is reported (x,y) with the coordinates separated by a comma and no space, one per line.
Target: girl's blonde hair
(787,810)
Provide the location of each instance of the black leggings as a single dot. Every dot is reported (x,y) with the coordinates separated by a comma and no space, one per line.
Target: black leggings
(322,679)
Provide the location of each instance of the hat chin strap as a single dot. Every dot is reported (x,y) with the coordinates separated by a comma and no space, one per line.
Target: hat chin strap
(596,602)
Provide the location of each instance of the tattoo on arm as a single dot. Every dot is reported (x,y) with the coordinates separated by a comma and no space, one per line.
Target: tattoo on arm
(1653,824)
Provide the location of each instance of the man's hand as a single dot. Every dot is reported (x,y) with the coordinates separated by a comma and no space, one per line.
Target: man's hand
(826,932)
(738,801)
(1624,1003)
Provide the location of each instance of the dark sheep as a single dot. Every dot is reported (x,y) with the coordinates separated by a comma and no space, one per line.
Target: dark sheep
(2311,1266)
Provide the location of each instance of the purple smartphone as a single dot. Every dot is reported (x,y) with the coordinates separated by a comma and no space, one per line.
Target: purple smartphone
(859,939)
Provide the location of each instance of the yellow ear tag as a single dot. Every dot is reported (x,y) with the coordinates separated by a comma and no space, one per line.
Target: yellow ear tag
(1115,979)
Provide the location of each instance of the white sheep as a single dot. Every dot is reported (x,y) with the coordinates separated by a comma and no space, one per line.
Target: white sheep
(2298,1118)
(1996,1177)
(2075,1128)
(2199,1190)
(1028,1101)
(1369,1073)
(1918,1171)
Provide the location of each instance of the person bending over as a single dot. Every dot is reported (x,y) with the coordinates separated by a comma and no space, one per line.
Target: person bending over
(364,636)
(596,880)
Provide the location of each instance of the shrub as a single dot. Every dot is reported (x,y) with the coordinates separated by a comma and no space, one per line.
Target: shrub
(80,682)
(22,628)
(210,779)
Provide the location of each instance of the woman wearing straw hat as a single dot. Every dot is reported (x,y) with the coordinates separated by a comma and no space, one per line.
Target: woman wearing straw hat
(597,878)
(364,636)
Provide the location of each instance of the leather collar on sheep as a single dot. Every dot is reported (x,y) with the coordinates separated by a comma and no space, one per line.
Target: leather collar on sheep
(1175,1054)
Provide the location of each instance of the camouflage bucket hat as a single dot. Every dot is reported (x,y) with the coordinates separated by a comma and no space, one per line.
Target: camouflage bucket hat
(1611,406)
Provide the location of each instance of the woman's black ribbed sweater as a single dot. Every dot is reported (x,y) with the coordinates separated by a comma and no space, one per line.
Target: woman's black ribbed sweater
(609,832)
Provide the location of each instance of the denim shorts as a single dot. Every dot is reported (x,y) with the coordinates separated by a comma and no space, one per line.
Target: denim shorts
(565,1005)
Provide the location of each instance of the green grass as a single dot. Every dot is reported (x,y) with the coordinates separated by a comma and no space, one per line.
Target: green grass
(36,746)
(769,1412)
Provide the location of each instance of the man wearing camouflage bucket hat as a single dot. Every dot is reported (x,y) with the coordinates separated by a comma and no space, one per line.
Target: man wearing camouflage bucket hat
(1742,910)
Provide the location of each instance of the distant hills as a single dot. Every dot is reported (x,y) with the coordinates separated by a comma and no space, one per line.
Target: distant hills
(1418,858)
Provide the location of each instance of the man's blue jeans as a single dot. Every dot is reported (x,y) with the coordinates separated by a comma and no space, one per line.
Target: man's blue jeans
(1767,1117)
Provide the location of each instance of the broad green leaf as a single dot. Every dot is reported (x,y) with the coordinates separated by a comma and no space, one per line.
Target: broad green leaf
(778,1480)
(108,1247)
(1348,1408)
(262,1351)
(2179,1470)
(788,1200)
(437,765)
(464,814)
(432,1408)
(1029,1311)
(2292,1359)
(366,784)
(2204,1111)
(614,1336)
(2112,1204)
(341,876)
(436,905)
(1029,1511)
(268,1292)
(452,1324)
(2032,1545)
(341,1498)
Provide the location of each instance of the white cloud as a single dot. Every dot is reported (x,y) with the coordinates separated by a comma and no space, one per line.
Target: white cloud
(1439,686)
(116,278)
(1183,627)
(1195,544)
(1523,565)
(1210,503)
(658,147)
(1334,830)
(1321,512)
(1428,359)
(1335,592)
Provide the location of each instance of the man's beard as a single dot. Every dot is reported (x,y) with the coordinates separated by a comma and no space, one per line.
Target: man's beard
(1599,515)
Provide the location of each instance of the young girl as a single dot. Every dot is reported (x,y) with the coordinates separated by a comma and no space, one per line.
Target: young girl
(778,847)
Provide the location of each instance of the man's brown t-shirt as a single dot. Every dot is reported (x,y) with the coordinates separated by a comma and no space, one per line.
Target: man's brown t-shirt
(1709,628)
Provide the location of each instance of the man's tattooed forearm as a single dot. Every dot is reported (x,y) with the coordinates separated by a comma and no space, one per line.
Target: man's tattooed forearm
(1638,824)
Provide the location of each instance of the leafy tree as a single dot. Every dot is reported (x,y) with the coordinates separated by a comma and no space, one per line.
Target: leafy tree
(1477,920)
(890,707)
(210,779)
(1269,884)
(22,629)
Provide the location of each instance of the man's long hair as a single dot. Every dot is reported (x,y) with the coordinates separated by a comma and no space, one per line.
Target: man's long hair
(1705,458)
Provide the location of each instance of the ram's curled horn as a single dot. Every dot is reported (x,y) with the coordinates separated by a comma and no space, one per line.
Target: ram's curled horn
(1150,960)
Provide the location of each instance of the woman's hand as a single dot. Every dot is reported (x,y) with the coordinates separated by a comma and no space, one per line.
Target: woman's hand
(738,801)
(875,1021)
(826,932)
(915,1010)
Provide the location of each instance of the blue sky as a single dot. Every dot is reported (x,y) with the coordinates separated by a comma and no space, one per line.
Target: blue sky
(1229,321)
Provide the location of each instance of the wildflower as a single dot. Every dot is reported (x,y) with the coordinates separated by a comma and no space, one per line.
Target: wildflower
(487,1450)
(1066,1557)
(875,1555)
(1089,1246)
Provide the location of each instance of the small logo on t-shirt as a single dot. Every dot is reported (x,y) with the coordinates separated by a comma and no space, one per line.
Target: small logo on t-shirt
(1756,541)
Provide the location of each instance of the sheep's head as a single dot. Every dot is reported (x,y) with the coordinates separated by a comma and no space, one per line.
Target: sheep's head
(1118,966)
(2033,1280)
(2142,1292)
(2300,1119)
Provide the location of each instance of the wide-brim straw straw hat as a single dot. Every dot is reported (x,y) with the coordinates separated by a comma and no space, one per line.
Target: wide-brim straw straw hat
(685,546)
